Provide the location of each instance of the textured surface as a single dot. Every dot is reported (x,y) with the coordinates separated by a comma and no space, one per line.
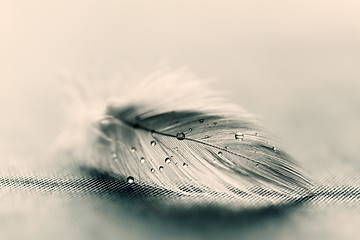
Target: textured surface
(48,200)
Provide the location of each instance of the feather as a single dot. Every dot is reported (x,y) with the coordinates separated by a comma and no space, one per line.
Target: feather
(172,132)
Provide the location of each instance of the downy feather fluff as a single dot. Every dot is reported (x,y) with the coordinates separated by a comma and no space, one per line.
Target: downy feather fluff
(170,131)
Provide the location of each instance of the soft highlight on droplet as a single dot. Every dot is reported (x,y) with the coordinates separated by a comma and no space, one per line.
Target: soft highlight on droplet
(130,179)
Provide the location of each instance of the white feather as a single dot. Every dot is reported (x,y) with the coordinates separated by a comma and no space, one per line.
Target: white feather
(171,131)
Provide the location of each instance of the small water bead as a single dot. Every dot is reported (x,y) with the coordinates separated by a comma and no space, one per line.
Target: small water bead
(133,149)
(152,170)
(256,134)
(185,165)
(201,120)
(142,160)
(220,154)
(130,179)
(153,143)
(180,136)
(274,149)
(161,168)
(239,136)
(257,165)
(167,160)
(105,122)
(114,155)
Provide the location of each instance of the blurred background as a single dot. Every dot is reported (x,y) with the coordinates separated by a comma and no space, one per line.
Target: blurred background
(294,63)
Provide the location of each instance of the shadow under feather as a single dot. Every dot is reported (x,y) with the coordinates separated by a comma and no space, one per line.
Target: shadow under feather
(147,201)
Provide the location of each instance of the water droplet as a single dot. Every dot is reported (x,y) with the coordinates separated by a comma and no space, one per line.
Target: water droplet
(180,136)
(116,159)
(152,170)
(206,137)
(220,154)
(176,164)
(185,165)
(215,123)
(153,143)
(106,121)
(130,179)
(142,160)
(256,134)
(190,129)
(167,160)
(226,147)
(161,168)
(239,136)
(274,149)
(257,165)
(133,149)
(114,155)
(201,120)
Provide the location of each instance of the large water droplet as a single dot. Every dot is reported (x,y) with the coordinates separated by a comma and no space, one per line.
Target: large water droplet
(133,149)
(142,160)
(153,143)
(201,120)
(220,154)
(167,160)
(185,165)
(161,168)
(130,179)
(180,136)
(239,136)
(152,170)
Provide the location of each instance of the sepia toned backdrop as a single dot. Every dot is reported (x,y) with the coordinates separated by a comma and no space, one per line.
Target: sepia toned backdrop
(293,63)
